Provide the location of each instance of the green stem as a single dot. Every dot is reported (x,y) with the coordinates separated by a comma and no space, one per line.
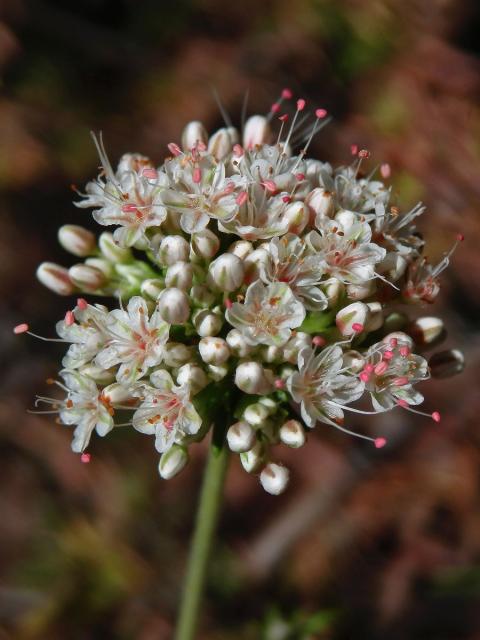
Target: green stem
(205,524)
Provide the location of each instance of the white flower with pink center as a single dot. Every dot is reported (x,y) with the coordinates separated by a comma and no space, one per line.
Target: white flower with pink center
(85,328)
(136,342)
(166,411)
(268,314)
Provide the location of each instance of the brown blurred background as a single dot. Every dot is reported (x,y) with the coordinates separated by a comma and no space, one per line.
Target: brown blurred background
(362,546)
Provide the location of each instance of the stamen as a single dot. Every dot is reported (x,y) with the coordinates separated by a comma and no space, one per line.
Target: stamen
(85,458)
(354,149)
(357,327)
(275,108)
(69,318)
(321,113)
(269,186)
(385,170)
(151,174)
(82,304)
(381,368)
(197,175)
(401,381)
(364,376)
(21,328)
(174,149)
(241,198)
(238,150)
(279,383)
(286,94)
(380,442)
(319,341)
(301,104)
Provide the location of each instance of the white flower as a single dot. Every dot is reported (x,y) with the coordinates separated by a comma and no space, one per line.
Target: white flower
(166,410)
(88,334)
(321,388)
(135,341)
(268,314)
(289,261)
(352,193)
(86,407)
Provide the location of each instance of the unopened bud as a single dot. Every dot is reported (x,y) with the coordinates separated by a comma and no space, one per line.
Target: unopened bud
(173,306)
(87,277)
(152,287)
(176,353)
(99,374)
(256,131)
(241,248)
(333,289)
(253,459)
(193,376)
(253,264)
(205,244)
(117,393)
(55,278)
(179,275)
(214,350)
(201,296)
(375,318)
(427,331)
(173,249)
(393,266)
(446,364)
(112,251)
(77,240)
(226,272)
(256,414)
(237,343)
(361,291)
(240,437)
(252,378)
(274,478)
(222,141)
(297,216)
(172,462)
(271,353)
(102,265)
(192,134)
(295,345)
(320,203)
(352,318)
(207,323)
(292,434)
(217,372)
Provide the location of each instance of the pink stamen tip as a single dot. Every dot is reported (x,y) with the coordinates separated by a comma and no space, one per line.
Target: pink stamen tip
(402,403)
(381,368)
(401,381)
(237,150)
(385,170)
(368,368)
(69,318)
(364,376)
(380,442)
(150,173)
(354,149)
(300,176)
(283,118)
(460,237)
(21,328)
(174,149)
(197,175)
(364,153)
(228,303)
(275,108)
(436,416)
(270,185)
(241,198)
(279,383)
(301,104)
(85,458)
(129,208)
(357,327)
(82,304)
(388,355)
(286,199)
(286,94)
(321,113)
(200,146)
(319,341)
(404,351)
(393,343)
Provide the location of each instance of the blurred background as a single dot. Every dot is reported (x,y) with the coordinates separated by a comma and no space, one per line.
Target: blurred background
(361,546)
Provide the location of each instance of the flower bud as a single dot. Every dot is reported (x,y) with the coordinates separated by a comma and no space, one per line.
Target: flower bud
(393,266)
(176,354)
(354,361)
(427,331)
(361,291)
(274,478)
(240,437)
(100,375)
(375,318)
(103,265)
(271,353)
(346,219)
(193,375)
(295,345)
(207,323)
(87,277)
(253,459)
(226,272)
(112,251)
(292,434)
(256,131)
(297,215)
(173,306)
(351,318)
(116,393)
(398,337)
(201,296)
(77,240)
(241,248)
(237,343)
(55,278)
(205,244)
(193,133)
(395,322)
(152,288)
(213,350)
(446,364)
(217,372)
(172,461)
(172,223)
(222,141)
(173,249)
(333,289)
(320,203)
(252,378)
(256,413)
(253,264)
(179,275)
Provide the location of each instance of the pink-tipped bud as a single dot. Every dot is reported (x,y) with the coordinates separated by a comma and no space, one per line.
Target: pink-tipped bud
(69,318)
(174,149)
(241,198)
(85,458)
(82,304)
(385,170)
(380,442)
(321,113)
(301,104)
(21,328)
(286,93)
(436,416)
(319,341)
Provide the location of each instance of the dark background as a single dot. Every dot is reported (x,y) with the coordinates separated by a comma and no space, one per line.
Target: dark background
(362,546)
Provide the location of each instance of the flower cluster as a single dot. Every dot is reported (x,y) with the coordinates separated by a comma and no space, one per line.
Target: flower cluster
(268,296)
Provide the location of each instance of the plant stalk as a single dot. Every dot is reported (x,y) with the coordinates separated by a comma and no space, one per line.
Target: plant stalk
(204,531)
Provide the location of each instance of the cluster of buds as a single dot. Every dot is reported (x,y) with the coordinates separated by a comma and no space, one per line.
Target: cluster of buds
(267,296)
